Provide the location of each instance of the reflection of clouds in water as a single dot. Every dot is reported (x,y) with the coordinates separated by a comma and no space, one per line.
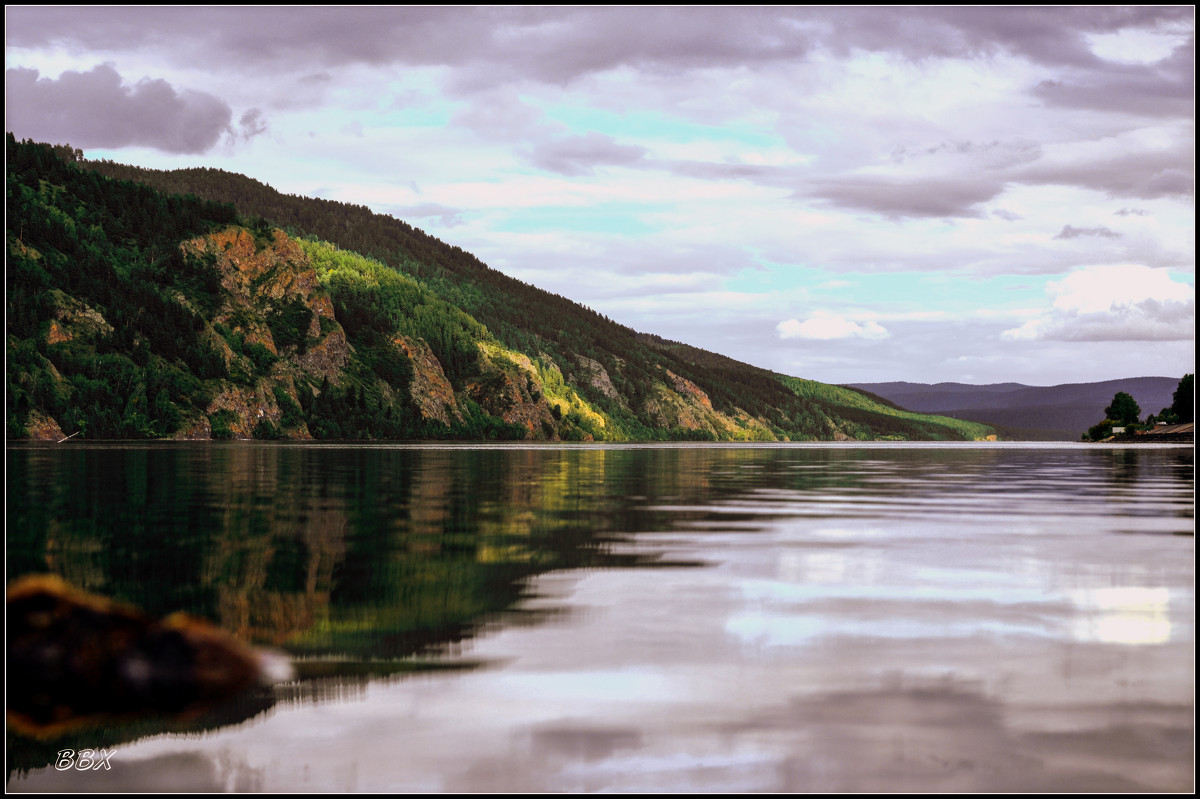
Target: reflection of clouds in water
(813,567)
(589,687)
(1126,615)
(821,593)
(1115,605)
(770,668)
(869,592)
(710,770)
(173,772)
(858,567)
(774,629)
(834,576)
(767,629)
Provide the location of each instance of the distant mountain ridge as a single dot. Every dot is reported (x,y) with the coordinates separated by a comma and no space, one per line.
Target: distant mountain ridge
(1041,413)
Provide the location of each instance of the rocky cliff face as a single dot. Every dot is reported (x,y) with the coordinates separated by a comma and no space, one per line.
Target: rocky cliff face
(275,329)
(73,319)
(43,428)
(598,378)
(241,409)
(262,283)
(430,391)
(689,390)
(511,388)
(680,404)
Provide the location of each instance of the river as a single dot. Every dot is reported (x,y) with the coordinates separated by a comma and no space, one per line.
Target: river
(798,617)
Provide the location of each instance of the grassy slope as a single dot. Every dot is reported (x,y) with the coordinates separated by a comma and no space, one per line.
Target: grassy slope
(850,398)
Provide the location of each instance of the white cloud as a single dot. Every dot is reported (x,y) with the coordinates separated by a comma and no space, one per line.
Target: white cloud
(1119,302)
(586,151)
(824,326)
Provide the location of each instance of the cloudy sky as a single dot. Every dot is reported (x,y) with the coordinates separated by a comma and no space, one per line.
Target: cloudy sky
(850,195)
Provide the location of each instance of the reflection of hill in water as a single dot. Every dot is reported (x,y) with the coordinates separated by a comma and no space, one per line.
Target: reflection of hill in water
(26,754)
(386,552)
(370,563)
(321,551)
(354,560)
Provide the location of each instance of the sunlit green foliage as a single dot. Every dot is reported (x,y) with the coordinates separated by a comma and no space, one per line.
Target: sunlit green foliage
(376,303)
(860,416)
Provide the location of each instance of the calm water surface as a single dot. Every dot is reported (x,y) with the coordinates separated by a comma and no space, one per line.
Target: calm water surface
(600,618)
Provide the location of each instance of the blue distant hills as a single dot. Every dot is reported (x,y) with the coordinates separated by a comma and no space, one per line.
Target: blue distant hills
(1033,413)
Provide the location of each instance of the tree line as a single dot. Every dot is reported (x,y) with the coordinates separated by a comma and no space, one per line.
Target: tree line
(1125,412)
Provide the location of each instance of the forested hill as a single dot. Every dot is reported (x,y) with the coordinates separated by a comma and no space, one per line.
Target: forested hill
(199,303)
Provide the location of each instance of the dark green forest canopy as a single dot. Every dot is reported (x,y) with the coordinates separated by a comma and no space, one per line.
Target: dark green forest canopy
(102,241)
(520,315)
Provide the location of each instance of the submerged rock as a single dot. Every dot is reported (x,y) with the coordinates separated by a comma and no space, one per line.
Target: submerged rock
(76,659)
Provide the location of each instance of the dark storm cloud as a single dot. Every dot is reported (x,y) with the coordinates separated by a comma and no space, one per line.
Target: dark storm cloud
(557,45)
(96,109)
(554,45)
(560,45)
(1164,89)
(237,36)
(985,168)
(1148,174)
(935,197)
(1069,232)
(1053,35)
(1166,182)
(580,155)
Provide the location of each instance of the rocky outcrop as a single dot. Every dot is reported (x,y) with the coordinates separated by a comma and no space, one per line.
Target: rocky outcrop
(742,426)
(597,377)
(238,410)
(327,357)
(685,406)
(262,281)
(431,392)
(246,268)
(511,389)
(682,405)
(689,389)
(670,409)
(43,428)
(194,429)
(260,285)
(516,400)
(73,319)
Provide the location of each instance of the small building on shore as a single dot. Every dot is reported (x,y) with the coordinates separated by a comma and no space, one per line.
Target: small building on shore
(1160,434)
(1172,432)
